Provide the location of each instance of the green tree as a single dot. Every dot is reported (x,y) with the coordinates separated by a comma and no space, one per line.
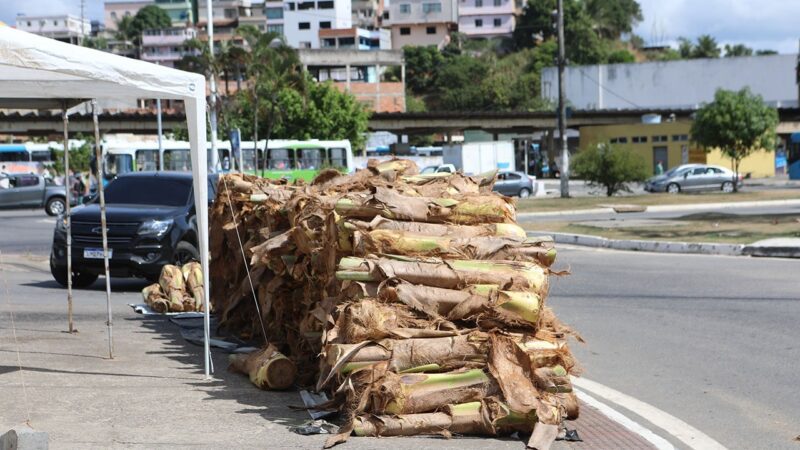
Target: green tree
(685,48)
(79,156)
(736,122)
(765,52)
(620,56)
(422,64)
(98,43)
(706,47)
(609,167)
(324,112)
(130,28)
(614,17)
(737,50)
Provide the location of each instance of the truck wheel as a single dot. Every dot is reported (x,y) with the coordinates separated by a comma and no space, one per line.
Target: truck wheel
(55,206)
(184,253)
(524,193)
(79,279)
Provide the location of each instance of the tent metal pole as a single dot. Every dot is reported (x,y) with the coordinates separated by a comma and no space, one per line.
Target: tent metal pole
(160,132)
(68,212)
(98,155)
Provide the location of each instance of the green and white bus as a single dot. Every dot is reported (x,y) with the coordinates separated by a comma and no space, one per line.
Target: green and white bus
(302,160)
(291,159)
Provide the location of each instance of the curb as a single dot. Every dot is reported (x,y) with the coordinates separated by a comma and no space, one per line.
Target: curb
(665,208)
(774,252)
(646,246)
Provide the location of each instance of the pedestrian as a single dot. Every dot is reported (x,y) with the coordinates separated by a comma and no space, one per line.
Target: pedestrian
(659,168)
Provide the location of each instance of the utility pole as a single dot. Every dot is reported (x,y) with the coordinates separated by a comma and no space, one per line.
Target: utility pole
(212,113)
(80,33)
(562,104)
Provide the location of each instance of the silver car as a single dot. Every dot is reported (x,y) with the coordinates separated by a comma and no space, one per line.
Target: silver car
(692,178)
(514,184)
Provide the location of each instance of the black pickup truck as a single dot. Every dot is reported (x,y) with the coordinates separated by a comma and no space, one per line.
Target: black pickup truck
(150,220)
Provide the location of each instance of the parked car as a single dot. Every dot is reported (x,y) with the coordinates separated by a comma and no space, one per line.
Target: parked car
(692,178)
(514,184)
(150,221)
(33,191)
(444,168)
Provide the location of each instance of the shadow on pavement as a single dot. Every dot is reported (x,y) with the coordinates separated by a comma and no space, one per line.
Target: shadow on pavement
(117,285)
(273,406)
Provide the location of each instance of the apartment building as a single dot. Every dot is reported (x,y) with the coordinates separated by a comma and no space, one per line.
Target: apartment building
(226,15)
(361,73)
(303,20)
(355,39)
(255,16)
(486,18)
(367,14)
(180,11)
(64,28)
(166,46)
(113,12)
(273,11)
(421,22)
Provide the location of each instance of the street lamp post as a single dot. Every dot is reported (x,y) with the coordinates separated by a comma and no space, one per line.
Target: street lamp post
(562,106)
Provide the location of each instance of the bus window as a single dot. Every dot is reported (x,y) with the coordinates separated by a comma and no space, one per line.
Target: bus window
(281,159)
(337,158)
(40,155)
(118,164)
(14,153)
(146,160)
(309,158)
(177,159)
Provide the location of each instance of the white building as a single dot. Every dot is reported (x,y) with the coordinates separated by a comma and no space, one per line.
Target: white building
(486,18)
(274,13)
(674,84)
(303,19)
(65,28)
(421,22)
(165,46)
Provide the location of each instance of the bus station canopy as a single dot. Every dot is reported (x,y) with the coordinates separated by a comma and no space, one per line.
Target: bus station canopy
(41,73)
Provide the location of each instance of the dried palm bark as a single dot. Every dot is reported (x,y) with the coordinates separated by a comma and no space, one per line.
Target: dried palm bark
(267,368)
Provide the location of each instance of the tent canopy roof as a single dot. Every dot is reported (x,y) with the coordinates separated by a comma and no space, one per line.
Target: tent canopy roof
(33,66)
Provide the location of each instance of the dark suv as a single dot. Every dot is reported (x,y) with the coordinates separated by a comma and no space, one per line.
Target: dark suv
(150,219)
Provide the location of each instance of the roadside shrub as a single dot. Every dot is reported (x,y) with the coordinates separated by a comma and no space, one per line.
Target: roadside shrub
(609,167)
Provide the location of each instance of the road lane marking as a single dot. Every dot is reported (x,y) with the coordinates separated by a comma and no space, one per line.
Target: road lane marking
(50,221)
(681,430)
(657,441)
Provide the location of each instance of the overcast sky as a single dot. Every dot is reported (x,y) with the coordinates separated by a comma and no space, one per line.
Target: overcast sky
(761,24)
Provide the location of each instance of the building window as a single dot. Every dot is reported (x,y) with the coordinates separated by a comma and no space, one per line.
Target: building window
(640,139)
(478,23)
(659,139)
(230,13)
(405,31)
(328,43)
(618,140)
(347,42)
(386,15)
(405,8)
(112,15)
(273,13)
(305,5)
(498,23)
(290,6)
(325,5)
(430,30)
(431,7)
(478,3)
(304,25)
(305,44)
(325,25)
(680,137)
(55,22)
(498,2)
(278,28)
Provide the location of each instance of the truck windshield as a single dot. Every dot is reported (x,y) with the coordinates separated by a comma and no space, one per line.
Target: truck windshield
(148,191)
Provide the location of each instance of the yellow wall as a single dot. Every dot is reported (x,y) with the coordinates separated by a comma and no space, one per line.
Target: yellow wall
(760,164)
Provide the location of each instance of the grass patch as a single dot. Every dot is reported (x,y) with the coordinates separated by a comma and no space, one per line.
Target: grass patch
(577,203)
(713,228)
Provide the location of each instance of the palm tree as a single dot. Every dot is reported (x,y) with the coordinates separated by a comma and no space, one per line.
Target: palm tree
(706,47)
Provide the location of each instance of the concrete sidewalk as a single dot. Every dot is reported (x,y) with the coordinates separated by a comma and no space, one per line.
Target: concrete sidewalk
(153,394)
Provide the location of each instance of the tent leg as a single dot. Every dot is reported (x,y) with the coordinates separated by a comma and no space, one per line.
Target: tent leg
(68,212)
(98,154)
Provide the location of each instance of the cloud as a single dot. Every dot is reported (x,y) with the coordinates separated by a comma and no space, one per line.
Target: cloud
(761,24)
(9,9)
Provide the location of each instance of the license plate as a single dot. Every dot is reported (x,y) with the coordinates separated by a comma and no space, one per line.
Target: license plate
(96,253)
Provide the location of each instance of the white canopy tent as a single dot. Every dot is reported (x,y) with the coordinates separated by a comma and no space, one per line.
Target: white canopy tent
(42,73)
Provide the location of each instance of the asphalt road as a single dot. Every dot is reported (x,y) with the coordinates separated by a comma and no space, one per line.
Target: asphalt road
(711,340)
